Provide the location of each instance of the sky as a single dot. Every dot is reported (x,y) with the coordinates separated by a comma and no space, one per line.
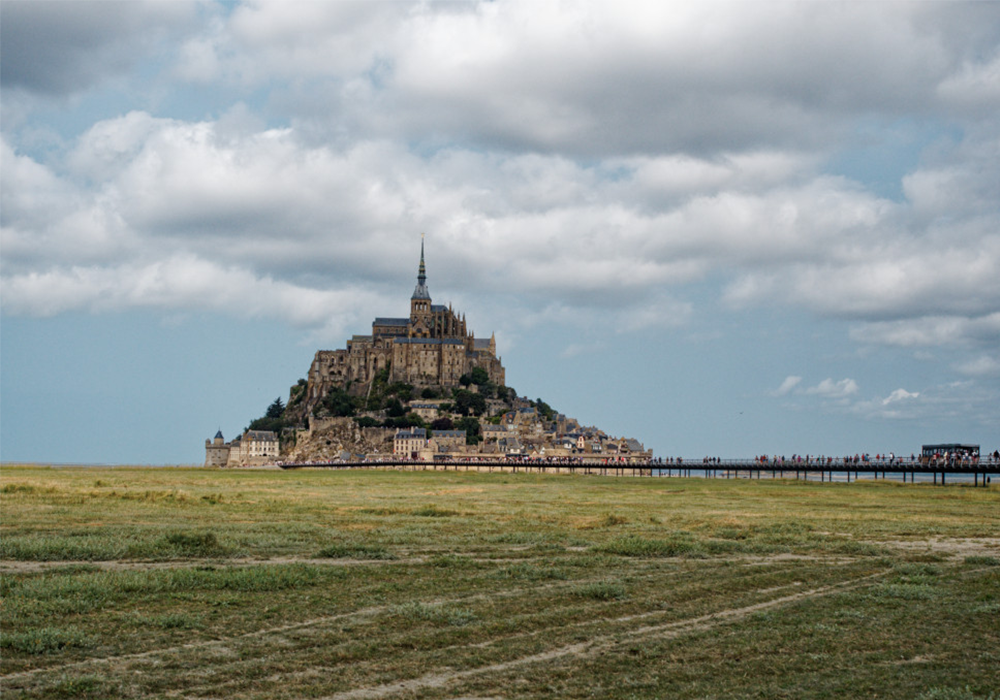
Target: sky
(722,228)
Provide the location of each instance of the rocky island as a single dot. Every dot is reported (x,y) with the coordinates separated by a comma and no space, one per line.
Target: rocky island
(417,387)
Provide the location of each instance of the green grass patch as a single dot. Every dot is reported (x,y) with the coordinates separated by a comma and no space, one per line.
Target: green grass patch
(636,546)
(43,640)
(979,560)
(194,544)
(603,590)
(435,614)
(434,512)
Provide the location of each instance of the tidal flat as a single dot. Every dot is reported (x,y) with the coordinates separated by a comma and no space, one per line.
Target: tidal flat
(206,583)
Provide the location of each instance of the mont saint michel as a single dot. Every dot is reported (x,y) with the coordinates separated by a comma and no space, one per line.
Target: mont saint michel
(416,387)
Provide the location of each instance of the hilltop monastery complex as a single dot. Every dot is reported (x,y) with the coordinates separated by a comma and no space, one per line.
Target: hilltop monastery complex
(431,351)
(431,347)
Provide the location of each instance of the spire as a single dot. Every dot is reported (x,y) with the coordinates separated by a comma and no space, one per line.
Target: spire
(420,292)
(422,273)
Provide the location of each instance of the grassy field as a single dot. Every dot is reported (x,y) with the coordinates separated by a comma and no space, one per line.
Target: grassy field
(190,583)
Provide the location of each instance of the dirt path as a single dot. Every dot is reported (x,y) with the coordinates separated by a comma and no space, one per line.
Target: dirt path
(951,547)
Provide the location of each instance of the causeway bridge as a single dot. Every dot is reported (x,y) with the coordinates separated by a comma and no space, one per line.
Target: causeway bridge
(979,473)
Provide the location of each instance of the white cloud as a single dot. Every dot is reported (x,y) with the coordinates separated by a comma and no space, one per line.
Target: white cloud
(830,389)
(982,366)
(930,331)
(791,381)
(186,282)
(899,395)
(599,157)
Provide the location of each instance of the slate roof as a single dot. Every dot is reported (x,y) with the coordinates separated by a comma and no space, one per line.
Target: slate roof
(429,341)
(412,434)
(449,433)
(391,322)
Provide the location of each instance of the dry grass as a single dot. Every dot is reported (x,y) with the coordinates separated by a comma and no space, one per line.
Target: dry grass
(197,583)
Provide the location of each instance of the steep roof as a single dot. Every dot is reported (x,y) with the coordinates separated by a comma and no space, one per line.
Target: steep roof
(411,434)
(421,291)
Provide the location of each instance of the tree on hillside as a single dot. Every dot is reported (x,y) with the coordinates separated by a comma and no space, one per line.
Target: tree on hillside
(401,390)
(544,409)
(276,409)
(444,423)
(467,402)
(273,418)
(473,433)
(338,402)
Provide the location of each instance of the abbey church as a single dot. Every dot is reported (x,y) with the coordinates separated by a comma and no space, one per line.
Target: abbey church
(430,348)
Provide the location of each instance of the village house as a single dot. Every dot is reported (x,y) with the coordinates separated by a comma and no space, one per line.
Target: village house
(409,443)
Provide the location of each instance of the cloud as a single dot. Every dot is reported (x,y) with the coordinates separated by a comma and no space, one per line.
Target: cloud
(930,331)
(829,389)
(588,234)
(185,282)
(982,366)
(899,395)
(590,154)
(826,389)
(790,383)
(60,48)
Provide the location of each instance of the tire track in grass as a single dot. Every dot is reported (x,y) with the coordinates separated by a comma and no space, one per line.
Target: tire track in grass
(221,644)
(290,627)
(658,575)
(669,630)
(654,574)
(40,567)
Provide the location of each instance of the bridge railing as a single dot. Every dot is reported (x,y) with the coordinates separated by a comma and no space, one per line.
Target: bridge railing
(832,469)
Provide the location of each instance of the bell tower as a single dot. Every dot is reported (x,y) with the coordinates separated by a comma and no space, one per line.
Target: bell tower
(420,302)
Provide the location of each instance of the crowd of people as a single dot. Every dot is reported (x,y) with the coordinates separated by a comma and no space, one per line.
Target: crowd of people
(848,462)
